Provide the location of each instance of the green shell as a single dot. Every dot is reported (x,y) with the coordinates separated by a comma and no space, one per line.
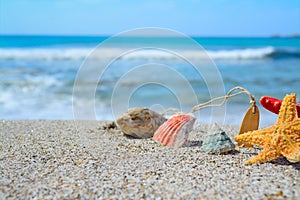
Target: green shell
(217,143)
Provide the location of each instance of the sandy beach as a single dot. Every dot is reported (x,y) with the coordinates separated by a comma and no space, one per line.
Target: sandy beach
(84,160)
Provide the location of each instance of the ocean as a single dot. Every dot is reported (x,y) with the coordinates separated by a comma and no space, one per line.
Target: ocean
(62,77)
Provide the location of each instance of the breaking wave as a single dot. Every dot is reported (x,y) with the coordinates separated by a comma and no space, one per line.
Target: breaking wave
(82,53)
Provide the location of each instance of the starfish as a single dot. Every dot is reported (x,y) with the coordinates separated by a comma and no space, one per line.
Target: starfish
(281,139)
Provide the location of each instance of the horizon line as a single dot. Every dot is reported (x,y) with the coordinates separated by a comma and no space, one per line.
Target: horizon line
(295,35)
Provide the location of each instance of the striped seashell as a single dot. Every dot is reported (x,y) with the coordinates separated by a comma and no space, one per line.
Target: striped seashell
(175,131)
(140,122)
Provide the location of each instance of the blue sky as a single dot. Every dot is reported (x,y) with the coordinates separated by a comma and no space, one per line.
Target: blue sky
(192,17)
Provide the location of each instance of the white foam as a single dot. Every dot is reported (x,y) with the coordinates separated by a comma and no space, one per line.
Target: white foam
(44,54)
(82,53)
(236,54)
(241,54)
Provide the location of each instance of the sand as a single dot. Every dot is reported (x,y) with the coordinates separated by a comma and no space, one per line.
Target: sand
(70,160)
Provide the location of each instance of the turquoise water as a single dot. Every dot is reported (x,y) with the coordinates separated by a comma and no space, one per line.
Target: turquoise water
(37,73)
(207,42)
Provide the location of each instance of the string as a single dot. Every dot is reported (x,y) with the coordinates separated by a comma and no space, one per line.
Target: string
(173,110)
(225,98)
(208,104)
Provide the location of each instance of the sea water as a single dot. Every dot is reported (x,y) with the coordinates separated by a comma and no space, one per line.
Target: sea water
(37,74)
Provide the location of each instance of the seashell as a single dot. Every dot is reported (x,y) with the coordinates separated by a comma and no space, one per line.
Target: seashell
(174,132)
(217,142)
(140,122)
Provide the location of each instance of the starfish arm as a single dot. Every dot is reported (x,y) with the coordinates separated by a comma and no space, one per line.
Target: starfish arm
(258,137)
(267,154)
(289,146)
(288,141)
(288,110)
(292,153)
(295,157)
(292,128)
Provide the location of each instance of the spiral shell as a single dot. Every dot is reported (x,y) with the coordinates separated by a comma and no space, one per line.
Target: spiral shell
(217,142)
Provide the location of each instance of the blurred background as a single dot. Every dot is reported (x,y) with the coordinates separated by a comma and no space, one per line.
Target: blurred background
(254,44)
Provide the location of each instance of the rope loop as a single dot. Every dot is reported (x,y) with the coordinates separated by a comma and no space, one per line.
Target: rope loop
(209,104)
(229,95)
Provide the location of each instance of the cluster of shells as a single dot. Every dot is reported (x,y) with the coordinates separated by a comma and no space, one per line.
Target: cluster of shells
(173,132)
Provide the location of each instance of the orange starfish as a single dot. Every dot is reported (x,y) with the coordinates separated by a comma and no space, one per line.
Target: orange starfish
(283,138)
